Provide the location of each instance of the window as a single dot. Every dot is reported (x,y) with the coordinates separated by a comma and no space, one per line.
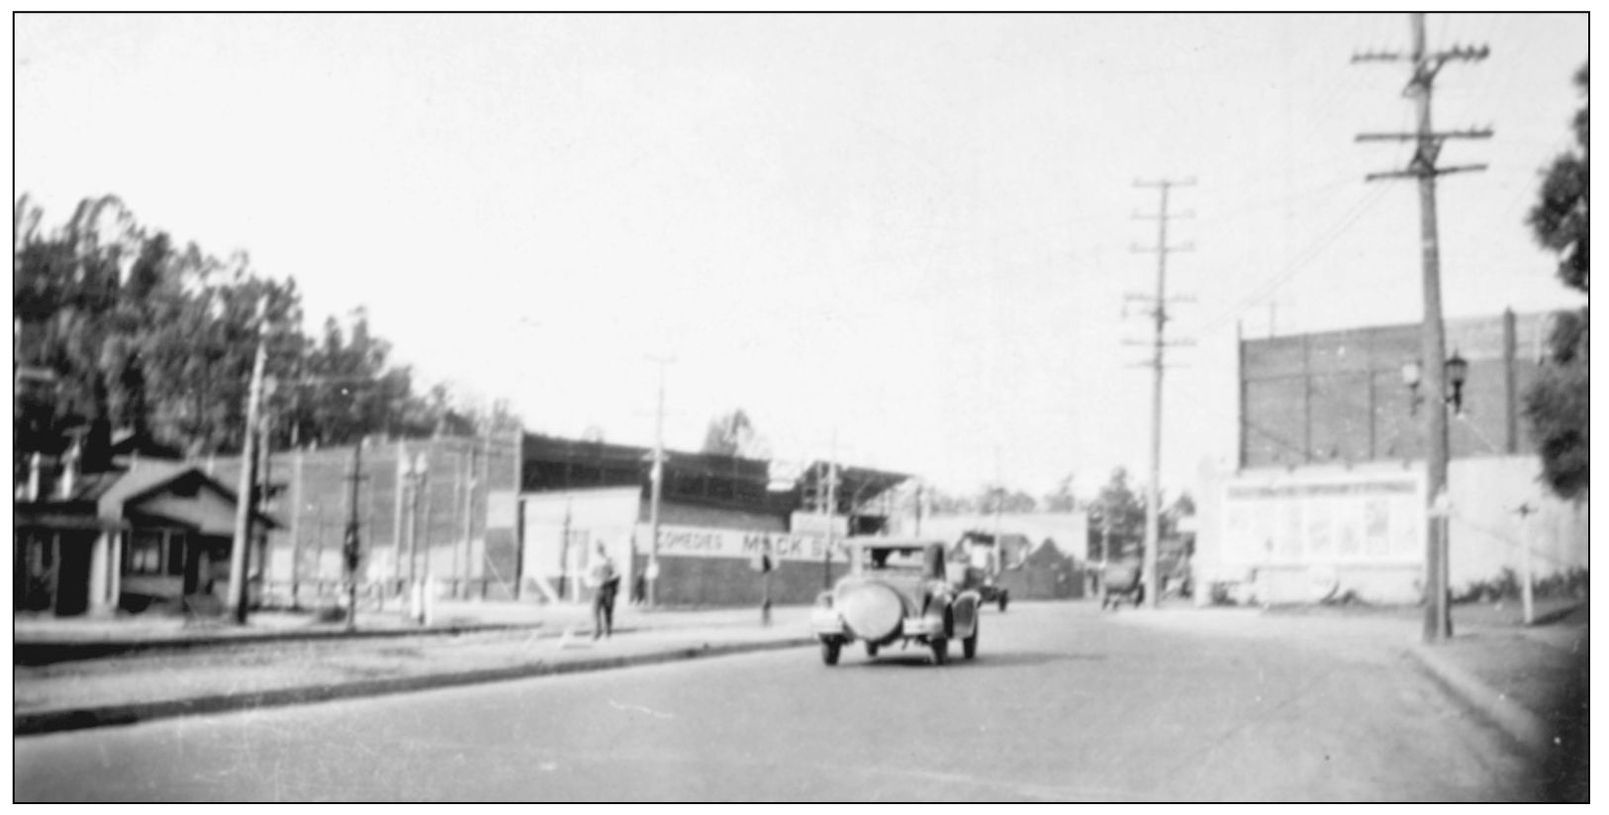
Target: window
(144,553)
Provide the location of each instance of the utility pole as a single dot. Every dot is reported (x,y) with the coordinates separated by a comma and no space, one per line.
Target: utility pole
(352,551)
(832,512)
(1433,345)
(919,497)
(400,494)
(656,487)
(248,476)
(1157,307)
(999,499)
(461,559)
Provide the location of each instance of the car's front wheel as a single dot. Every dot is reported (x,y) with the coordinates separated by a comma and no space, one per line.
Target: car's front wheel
(829,651)
(969,646)
(941,649)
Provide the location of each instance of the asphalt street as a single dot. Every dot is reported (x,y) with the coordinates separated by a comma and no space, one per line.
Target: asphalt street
(1062,704)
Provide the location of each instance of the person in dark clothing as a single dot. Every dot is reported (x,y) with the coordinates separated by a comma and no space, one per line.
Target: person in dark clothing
(604,581)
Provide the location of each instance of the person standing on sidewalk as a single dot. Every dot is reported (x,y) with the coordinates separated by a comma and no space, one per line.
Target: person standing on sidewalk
(604,581)
(764,565)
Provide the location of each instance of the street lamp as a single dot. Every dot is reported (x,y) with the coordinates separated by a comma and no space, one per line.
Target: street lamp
(1457,373)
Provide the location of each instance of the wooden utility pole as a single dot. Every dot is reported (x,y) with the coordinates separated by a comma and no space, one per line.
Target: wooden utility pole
(461,560)
(296,529)
(1157,307)
(248,477)
(656,487)
(352,551)
(1433,345)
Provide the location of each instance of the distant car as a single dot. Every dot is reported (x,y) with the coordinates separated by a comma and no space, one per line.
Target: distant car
(1120,580)
(896,591)
(983,574)
(981,581)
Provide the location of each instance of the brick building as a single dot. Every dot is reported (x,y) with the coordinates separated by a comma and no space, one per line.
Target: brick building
(1328,497)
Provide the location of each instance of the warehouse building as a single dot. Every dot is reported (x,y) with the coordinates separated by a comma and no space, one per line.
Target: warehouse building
(1328,498)
(718,516)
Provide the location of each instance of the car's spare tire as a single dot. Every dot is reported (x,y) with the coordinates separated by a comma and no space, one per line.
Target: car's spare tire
(871,610)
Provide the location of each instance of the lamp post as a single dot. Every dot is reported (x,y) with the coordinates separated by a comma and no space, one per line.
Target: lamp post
(1454,371)
(1457,369)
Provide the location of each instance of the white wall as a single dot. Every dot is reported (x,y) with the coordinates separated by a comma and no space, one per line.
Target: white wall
(605,515)
(1486,533)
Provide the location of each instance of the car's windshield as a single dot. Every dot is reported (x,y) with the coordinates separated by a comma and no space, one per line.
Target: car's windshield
(893,560)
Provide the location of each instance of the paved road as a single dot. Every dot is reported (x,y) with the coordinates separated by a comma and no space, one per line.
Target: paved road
(1061,705)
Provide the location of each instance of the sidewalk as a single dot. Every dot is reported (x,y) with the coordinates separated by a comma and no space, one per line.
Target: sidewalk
(1529,681)
(289,659)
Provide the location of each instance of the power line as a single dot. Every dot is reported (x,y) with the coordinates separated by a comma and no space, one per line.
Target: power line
(1298,266)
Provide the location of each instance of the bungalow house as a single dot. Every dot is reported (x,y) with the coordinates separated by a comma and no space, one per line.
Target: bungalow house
(156,534)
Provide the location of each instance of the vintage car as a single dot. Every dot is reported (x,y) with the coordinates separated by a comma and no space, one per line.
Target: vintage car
(896,591)
(1121,580)
(983,572)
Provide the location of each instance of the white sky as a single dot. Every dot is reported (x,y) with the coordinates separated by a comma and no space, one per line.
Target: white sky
(911,232)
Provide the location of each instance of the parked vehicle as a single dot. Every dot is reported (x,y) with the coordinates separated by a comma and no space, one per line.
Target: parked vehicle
(896,591)
(1120,580)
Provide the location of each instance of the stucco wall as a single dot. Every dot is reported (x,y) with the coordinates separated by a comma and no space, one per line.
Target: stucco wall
(1486,535)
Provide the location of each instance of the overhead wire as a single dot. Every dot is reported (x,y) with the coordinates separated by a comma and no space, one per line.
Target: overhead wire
(1313,249)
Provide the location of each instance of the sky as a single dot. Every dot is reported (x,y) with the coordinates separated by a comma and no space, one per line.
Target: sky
(904,238)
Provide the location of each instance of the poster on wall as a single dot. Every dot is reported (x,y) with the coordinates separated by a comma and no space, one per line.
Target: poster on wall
(1336,518)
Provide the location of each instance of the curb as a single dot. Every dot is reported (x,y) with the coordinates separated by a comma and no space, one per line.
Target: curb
(55,721)
(1556,615)
(1520,724)
(35,653)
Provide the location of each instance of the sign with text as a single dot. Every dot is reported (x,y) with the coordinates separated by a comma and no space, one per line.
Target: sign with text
(1339,518)
(692,541)
(815,523)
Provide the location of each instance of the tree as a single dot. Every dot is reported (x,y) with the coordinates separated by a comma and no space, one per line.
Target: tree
(945,503)
(733,435)
(1116,519)
(1560,220)
(1062,500)
(1182,507)
(998,498)
(135,333)
(1556,405)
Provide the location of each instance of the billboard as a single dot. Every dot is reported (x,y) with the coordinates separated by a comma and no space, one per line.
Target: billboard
(1324,518)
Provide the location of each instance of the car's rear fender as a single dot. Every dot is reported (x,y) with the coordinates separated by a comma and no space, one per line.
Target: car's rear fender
(964,614)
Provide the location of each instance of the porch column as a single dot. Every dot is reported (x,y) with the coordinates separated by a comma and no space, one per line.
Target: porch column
(115,569)
(100,574)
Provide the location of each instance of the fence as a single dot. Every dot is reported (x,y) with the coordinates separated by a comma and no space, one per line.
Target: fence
(453,520)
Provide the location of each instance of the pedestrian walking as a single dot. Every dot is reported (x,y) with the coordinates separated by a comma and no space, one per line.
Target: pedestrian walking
(604,581)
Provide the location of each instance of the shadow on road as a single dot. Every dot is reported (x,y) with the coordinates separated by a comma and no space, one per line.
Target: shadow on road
(922,659)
